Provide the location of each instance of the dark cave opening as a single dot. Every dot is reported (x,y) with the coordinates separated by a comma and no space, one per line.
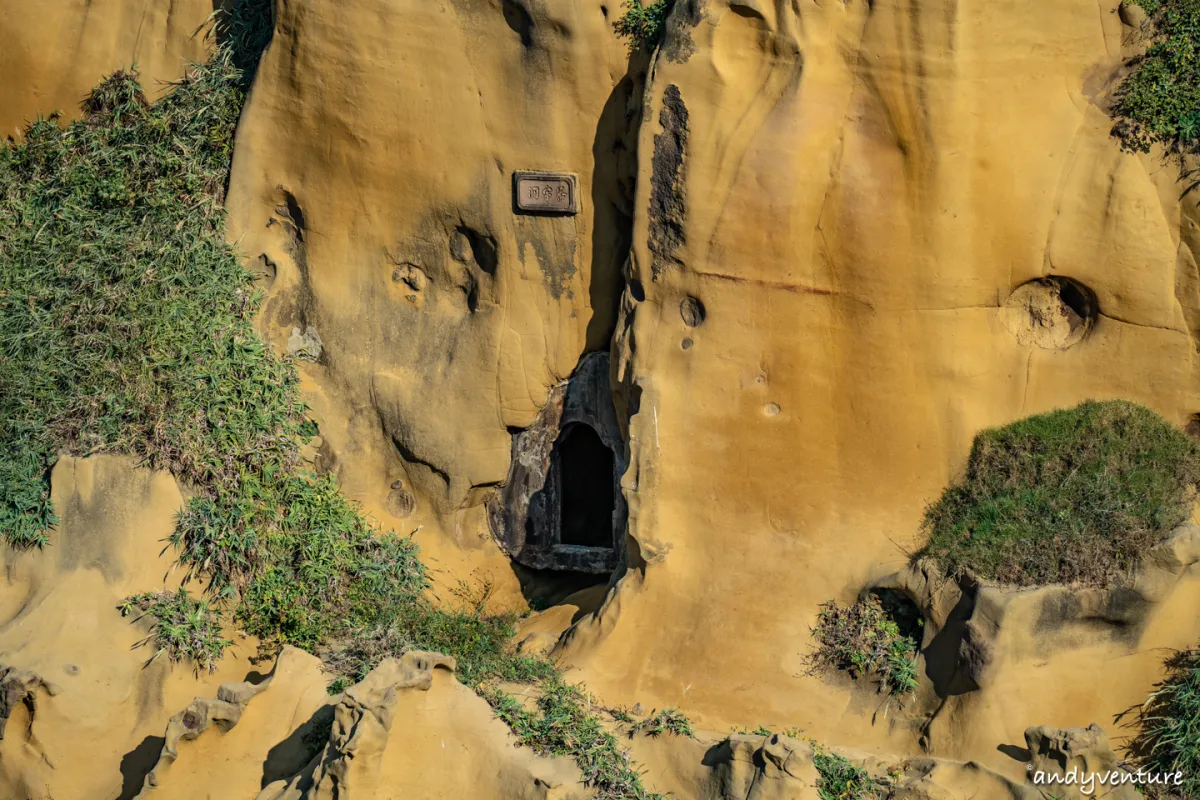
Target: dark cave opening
(587,494)
(1079,300)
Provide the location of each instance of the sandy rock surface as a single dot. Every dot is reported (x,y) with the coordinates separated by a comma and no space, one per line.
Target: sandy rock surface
(854,191)
(823,243)
(52,53)
(85,712)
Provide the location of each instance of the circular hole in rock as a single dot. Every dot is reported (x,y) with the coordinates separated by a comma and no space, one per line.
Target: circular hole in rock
(692,311)
(686,344)
(1053,313)
(400,502)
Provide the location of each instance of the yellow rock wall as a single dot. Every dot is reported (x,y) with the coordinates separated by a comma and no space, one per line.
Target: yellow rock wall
(52,52)
(862,187)
(851,192)
(92,726)
(373,173)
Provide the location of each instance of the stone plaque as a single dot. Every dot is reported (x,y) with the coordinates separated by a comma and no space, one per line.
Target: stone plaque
(546,192)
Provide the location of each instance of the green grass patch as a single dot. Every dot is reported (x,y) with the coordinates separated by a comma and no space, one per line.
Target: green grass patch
(245,31)
(840,779)
(1159,101)
(481,643)
(182,628)
(643,25)
(1169,740)
(669,720)
(563,725)
(126,326)
(1073,496)
(876,637)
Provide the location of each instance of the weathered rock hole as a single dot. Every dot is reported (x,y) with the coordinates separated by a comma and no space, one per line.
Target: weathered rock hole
(293,213)
(520,20)
(1053,313)
(400,501)
(561,507)
(411,276)
(470,288)
(747,8)
(483,249)
(1193,426)
(692,311)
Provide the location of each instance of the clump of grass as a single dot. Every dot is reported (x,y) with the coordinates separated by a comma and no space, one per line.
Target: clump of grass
(621,715)
(124,316)
(183,628)
(1169,740)
(481,643)
(669,720)
(563,724)
(1073,496)
(642,25)
(1159,101)
(840,779)
(867,639)
(763,730)
(246,30)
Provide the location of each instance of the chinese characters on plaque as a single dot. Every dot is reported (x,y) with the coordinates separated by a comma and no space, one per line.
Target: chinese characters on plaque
(546,193)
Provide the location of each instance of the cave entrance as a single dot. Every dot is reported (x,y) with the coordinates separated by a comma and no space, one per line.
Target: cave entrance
(561,507)
(586,493)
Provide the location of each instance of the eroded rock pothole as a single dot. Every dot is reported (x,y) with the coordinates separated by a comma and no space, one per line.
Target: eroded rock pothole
(1053,313)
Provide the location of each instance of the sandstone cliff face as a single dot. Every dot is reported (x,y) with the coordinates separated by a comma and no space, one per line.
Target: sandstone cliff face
(53,53)
(824,242)
(860,233)
(853,192)
(83,713)
(373,173)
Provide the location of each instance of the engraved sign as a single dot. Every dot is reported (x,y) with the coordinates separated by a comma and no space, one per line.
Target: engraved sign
(546,192)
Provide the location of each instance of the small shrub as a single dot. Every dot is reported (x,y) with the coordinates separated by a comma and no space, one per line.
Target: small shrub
(866,640)
(621,715)
(183,628)
(1159,101)
(562,725)
(1169,740)
(1073,496)
(481,643)
(839,779)
(666,721)
(642,25)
